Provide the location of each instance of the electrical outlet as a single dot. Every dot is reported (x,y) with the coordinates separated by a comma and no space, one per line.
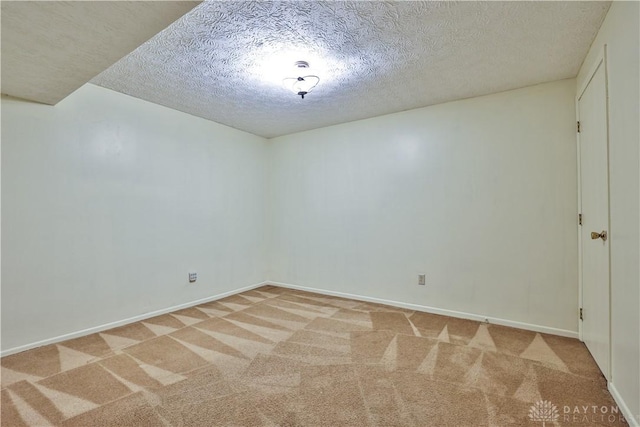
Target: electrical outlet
(422,279)
(193,277)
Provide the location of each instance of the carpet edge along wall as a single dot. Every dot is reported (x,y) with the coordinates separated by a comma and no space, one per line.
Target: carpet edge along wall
(279,356)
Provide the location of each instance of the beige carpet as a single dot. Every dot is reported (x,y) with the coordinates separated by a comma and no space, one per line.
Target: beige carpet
(278,357)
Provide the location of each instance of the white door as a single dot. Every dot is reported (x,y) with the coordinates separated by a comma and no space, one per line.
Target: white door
(594,198)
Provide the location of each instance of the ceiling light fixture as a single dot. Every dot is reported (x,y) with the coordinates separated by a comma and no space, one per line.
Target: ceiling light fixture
(301,85)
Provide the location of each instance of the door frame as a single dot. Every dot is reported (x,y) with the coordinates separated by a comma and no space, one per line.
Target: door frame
(599,61)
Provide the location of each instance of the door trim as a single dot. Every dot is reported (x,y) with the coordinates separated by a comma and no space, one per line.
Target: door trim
(599,61)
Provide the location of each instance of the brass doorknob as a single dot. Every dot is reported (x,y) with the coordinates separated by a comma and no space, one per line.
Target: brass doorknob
(602,235)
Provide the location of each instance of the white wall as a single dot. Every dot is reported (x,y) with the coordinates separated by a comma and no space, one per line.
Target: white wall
(620,31)
(479,194)
(107,203)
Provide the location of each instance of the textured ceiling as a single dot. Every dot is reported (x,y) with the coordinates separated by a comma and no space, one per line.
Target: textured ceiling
(225,61)
(51,48)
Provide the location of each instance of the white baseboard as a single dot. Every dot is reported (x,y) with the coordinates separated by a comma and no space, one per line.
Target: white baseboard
(632,419)
(115,324)
(434,310)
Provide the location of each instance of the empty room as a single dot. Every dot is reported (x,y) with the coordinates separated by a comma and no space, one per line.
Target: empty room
(314,213)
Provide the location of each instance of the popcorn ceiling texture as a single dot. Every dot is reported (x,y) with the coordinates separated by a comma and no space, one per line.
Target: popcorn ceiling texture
(373,58)
(51,48)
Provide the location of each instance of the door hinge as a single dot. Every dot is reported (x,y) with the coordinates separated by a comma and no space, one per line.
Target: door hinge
(578,126)
(581,317)
(579,219)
